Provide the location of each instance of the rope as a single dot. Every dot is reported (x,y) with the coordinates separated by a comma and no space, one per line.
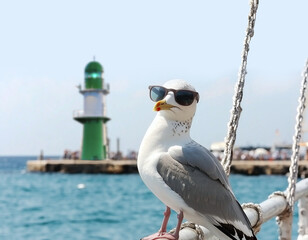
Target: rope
(286,212)
(236,110)
(258,209)
(296,139)
(194,227)
(277,193)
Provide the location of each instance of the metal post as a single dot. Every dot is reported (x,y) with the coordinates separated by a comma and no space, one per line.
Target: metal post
(303,218)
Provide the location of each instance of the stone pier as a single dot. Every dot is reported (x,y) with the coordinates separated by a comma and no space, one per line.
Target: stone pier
(130,166)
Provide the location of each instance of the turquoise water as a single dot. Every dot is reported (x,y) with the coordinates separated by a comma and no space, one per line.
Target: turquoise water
(116,207)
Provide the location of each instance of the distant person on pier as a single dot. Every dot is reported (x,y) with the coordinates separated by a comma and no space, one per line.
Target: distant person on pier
(67,154)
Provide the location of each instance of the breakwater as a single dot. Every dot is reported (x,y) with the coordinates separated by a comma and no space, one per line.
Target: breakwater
(83,166)
(130,166)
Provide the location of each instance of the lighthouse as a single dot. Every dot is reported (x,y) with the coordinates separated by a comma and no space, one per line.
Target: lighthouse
(94,141)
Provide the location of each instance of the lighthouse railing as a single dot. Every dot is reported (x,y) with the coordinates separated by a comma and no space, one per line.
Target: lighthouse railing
(258,214)
(83,114)
(78,113)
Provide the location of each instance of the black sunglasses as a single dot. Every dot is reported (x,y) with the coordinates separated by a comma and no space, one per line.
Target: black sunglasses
(182,97)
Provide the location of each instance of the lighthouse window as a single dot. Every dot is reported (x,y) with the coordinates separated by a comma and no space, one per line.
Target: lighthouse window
(94,75)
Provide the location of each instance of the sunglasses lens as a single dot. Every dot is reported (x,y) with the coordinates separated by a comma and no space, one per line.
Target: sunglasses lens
(157,93)
(184,98)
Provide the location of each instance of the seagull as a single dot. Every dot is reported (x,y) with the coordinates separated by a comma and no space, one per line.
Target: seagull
(184,175)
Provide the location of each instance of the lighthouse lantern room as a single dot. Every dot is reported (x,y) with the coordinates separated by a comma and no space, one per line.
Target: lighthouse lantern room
(94,141)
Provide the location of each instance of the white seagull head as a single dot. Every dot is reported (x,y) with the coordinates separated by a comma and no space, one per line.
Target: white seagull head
(176,100)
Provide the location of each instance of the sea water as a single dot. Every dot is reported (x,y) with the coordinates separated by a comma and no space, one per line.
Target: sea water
(88,206)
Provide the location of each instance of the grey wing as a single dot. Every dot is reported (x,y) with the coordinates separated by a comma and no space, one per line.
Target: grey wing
(205,194)
(197,156)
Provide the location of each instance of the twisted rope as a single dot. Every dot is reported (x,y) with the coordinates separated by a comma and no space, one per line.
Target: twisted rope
(296,140)
(258,209)
(236,110)
(193,227)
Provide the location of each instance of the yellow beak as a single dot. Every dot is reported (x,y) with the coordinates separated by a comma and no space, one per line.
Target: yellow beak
(162,105)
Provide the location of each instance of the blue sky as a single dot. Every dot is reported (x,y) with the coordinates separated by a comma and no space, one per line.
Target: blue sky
(45,46)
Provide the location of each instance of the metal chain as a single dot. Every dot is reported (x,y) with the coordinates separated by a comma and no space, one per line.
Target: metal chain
(236,110)
(296,140)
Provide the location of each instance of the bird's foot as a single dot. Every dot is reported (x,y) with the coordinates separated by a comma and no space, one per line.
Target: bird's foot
(160,236)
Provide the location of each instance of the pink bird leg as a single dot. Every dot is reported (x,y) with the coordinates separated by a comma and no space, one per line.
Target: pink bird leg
(162,233)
